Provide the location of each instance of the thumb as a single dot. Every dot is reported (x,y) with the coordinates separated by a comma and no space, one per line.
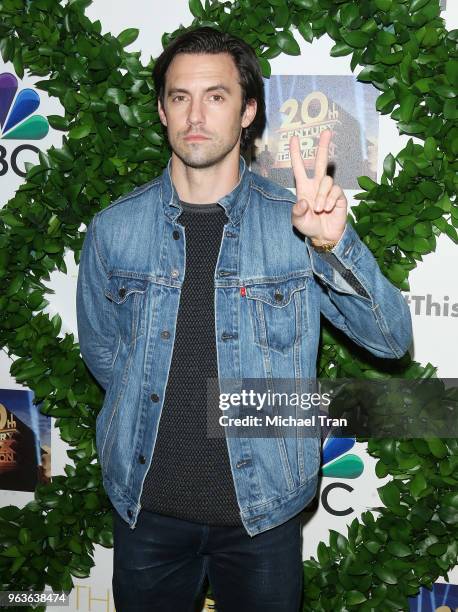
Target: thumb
(300,208)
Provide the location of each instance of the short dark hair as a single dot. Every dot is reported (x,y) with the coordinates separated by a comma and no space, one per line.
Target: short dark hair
(210,40)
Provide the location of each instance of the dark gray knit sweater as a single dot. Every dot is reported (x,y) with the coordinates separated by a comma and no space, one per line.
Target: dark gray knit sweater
(190,475)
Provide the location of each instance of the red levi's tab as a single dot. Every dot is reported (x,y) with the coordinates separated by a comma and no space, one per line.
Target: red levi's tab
(242,291)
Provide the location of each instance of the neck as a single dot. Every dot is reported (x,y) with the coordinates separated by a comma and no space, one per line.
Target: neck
(205,185)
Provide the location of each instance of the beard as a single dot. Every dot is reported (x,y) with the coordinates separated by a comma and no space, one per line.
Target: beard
(206,153)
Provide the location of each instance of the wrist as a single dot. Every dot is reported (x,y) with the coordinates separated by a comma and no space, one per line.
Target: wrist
(323,245)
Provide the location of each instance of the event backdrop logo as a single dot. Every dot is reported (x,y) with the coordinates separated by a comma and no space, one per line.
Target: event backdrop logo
(25,441)
(338,463)
(16,118)
(305,105)
(426,305)
(441,598)
(17,121)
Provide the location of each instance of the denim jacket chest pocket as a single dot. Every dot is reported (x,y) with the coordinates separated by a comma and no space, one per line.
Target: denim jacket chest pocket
(128,295)
(278,310)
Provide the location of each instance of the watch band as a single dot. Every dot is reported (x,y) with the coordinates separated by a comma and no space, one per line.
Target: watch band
(324,248)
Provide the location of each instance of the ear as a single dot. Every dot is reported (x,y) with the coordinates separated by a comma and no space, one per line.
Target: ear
(161,112)
(249,113)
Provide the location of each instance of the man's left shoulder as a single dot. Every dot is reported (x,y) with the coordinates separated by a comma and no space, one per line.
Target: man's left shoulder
(271,190)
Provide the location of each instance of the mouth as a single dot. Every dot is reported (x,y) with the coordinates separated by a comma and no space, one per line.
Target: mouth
(195,138)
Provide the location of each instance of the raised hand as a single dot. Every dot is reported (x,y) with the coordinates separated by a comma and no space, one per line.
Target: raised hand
(320,211)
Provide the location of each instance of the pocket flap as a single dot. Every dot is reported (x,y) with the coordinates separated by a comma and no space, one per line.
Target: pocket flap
(120,287)
(276,293)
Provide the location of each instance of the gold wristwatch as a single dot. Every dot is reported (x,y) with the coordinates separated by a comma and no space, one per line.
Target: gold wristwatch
(323,248)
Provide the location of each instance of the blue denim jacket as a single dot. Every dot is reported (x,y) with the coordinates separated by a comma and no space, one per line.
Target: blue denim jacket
(131,271)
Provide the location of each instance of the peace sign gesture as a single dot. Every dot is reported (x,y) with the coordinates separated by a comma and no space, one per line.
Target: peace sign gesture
(320,211)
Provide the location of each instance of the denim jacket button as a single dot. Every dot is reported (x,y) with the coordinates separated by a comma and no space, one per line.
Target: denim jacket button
(142,459)
(154,397)
(174,272)
(165,334)
(176,235)
(122,292)
(130,513)
(278,296)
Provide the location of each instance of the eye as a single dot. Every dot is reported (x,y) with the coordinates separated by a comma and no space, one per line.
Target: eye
(217,97)
(178,98)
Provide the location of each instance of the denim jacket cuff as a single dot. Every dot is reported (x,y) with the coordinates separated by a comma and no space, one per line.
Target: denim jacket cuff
(348,250)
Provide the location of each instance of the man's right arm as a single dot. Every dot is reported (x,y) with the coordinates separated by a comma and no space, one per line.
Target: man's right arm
(95,318)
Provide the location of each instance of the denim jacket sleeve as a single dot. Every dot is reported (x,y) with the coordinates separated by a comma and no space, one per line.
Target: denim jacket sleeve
(380,320)
(344,273)
(95,317)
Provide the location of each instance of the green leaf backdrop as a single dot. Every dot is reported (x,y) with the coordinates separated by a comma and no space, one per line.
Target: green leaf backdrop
(113,142)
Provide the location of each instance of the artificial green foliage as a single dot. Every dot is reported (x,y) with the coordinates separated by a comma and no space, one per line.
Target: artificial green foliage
(113,141)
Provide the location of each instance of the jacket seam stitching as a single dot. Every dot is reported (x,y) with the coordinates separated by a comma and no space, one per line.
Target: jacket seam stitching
(131,195)
(250,187)
(97,248)
(386,334)
(271,196)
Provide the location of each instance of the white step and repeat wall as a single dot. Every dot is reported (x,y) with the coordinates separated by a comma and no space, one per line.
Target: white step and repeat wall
(332,91)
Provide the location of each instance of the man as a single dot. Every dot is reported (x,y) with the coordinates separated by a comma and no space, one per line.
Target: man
(211,271)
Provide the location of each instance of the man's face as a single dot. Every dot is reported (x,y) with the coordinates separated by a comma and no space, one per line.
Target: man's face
(202,108)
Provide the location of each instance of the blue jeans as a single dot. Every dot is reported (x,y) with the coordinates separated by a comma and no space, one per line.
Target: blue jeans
(162,564)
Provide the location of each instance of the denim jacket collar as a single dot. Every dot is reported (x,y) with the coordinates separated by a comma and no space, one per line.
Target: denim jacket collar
(234,203)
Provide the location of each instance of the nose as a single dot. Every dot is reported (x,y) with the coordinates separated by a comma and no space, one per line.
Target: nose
(195,115)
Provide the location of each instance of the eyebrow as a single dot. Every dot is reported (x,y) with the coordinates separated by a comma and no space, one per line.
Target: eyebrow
(218,87)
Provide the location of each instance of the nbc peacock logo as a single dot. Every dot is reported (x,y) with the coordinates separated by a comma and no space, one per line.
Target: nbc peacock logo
(17,121)
(339,463)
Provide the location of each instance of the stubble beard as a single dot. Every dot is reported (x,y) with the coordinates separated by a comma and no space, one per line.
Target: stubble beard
(203,154)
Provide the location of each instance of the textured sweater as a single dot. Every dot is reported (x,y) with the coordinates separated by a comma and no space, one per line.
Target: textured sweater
(190,475)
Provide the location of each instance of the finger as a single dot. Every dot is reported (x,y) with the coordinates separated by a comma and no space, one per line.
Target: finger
(300,176)
(323,193)
(341,202)
(331,201)
(322,154)
(300,208)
